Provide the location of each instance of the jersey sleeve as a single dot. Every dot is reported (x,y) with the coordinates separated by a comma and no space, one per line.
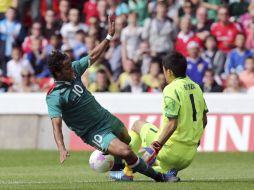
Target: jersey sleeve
(81,65)
(171,103)
(54,107)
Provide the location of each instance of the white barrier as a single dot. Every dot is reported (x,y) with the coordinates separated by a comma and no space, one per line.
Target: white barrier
(121,103)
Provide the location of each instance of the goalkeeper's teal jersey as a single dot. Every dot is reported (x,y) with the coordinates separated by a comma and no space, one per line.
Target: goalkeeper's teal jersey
(75,104)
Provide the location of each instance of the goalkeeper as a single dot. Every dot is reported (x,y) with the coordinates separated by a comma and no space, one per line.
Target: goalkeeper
(184,118)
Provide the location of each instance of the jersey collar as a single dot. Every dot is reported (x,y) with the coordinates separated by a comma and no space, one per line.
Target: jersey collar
(63,82)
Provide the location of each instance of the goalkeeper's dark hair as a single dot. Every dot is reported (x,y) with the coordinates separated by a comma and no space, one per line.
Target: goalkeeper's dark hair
(55,61)
(176,62)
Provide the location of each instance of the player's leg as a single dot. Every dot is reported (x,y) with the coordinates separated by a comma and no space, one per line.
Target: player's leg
(135,145)
(119,148)
(106,141)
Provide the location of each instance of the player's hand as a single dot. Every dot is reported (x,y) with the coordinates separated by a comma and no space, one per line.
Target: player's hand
(149,155)
(111,25)
(151,152)
(64,154)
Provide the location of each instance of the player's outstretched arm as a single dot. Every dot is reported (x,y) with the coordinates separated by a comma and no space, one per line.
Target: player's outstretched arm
(99,49)
(58,135)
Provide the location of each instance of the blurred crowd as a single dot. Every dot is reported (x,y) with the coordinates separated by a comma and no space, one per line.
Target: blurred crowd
(215,36)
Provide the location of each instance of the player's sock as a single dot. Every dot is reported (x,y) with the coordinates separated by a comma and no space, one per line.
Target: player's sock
(118,164)
(140,166)
(135,141)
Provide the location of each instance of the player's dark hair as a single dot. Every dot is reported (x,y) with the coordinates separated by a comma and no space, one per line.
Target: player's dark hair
(55,61)
(176,62)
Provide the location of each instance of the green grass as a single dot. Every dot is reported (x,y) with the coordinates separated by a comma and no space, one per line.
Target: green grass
(31,169)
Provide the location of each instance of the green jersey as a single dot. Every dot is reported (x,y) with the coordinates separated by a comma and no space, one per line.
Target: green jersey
(75,104)
(183,100)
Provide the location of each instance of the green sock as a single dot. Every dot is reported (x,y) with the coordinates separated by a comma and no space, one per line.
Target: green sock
(135,141)
(146,170)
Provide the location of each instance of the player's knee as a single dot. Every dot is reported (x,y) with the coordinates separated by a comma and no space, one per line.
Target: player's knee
(137,126)
(125,151)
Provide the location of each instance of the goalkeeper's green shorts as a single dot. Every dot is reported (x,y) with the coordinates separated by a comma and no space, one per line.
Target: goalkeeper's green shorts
(173,155)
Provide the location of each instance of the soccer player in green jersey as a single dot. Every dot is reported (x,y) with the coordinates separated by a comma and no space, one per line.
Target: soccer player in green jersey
(184,119)
(69,100)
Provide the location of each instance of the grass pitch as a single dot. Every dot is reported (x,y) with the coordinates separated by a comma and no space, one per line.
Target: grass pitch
(32,169)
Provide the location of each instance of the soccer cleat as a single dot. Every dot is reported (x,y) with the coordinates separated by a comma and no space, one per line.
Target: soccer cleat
(120,176)
(171,176)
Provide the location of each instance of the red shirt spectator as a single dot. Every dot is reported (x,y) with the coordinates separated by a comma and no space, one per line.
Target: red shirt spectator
(35,34)
(225,31)
(90,10)
(185,36)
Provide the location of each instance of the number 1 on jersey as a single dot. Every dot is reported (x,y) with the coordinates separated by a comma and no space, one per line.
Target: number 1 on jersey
(194,111)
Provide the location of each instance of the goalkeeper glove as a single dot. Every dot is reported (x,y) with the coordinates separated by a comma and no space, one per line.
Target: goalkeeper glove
(151,152)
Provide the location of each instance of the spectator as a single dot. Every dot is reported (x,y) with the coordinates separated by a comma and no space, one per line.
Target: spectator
(69,30)
(247,76)
(90,10)
(143,56)
(130,38)
(4,6)
(213,6)
(196,66)
(36,33)
(236,58)
(159,30)
(209,83)
(90,43)
(102,13)
(27,84)
(173,10)
(91,73)
(185,36)
(34,7)
(64,7)
(187,11)
(151,79)
(113,56)
(122,8)
(233,84)
(9,31)
(247,19)
(135,85)
(51,27)
(54,44)
(37,59)
(120,23)
(124,78)
(102,18)
(79,49)
(140,7)
(202,27)
(101,84)
(214,56)
(4,82)
(162,82)
(238,8)
(16,65)
(224,30)
(250,37)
